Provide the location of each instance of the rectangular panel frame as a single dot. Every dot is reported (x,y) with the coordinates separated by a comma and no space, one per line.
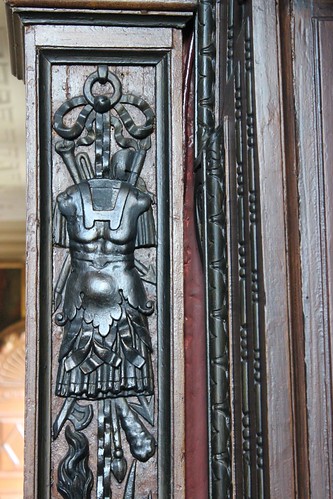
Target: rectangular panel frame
(39,59)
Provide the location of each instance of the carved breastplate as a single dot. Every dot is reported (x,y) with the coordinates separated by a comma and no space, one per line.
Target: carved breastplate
(102,210)
(103,200)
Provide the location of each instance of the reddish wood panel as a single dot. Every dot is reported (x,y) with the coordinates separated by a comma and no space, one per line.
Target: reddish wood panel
(196,457)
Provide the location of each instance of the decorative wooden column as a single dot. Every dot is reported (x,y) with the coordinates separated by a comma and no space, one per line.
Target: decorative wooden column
(105,312)
(116,126)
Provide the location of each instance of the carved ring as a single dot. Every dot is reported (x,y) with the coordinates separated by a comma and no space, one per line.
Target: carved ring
(102,103)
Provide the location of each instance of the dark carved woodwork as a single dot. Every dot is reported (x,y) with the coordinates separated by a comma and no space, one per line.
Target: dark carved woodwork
(217,314)
(248,263)
(210,206)
(238,369)
(99,307)
(254,231)
(126,13)
(262,164)
(105,353)
(205,85)
(278,156)
(105,401)
(242,275)
(94,5)
(75,479)
(247,292)
(230,38)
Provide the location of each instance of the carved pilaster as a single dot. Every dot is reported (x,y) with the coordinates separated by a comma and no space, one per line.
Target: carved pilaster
(230,37)
(243,258)
(217,300)
(105,250)
(211,211)
(206,57)
(254,231)
(248,304)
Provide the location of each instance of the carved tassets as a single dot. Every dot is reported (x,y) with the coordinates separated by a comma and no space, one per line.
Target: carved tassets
(101,304)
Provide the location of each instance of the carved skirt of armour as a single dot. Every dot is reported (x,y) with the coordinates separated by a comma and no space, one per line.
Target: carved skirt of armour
(106,348)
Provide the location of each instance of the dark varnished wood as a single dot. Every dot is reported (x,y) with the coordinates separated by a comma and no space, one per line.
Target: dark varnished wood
(210,209)
(166,5)
(246,287)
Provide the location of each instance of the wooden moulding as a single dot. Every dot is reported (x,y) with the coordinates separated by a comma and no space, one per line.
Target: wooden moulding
(43,38)
(312,51)
(22,13)
(165,5)
(278,329)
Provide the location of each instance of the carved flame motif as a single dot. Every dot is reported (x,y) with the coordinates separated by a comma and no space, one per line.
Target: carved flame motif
(75,477)
(102,218)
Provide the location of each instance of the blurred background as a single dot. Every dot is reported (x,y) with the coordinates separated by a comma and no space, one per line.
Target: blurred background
(12,272)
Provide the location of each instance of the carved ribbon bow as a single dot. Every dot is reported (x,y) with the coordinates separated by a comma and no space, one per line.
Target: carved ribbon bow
(102,111)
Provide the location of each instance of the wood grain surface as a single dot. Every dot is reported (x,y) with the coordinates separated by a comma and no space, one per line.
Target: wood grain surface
(165,5)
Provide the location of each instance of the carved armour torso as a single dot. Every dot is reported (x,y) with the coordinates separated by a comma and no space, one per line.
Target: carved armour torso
(102,209)
(100,303)
(105,297)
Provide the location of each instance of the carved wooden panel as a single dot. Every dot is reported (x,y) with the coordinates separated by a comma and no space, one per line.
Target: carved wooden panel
(105,324)
(230,233)
(246,275)
(109,358)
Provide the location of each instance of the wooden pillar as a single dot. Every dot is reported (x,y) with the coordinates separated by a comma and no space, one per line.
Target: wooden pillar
(105,302)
